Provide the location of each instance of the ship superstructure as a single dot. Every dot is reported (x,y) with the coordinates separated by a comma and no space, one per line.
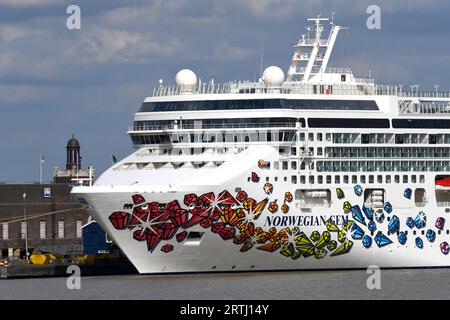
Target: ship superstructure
(321,170)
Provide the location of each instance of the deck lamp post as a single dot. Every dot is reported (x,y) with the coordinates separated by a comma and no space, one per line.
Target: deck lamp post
(436,87)
(24,195)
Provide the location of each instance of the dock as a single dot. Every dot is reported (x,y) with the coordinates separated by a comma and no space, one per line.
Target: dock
(16,271)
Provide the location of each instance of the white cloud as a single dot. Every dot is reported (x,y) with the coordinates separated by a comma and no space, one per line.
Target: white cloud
(25,93)
(226,51)
(27,3)
(12,32)
(109,45)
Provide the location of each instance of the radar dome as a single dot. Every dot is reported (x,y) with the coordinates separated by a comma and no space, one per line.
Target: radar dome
(186,79)
(273,76)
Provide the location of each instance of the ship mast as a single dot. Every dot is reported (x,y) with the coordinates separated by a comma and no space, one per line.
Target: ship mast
(312,53)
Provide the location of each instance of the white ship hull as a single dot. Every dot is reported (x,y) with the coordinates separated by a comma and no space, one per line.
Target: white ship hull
(291,246)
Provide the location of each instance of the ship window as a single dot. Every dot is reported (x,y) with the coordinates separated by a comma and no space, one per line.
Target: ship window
(311,179)
(405,179)
(319,151)
(343,77)
(345,179)
(259,104)
(397,178)
(371,179)
(380,179)
(354,179)
(276,165)
(388,179)
(421,179)
(276,179)
(348,123)
(302,179)
(337,179)
(319,137)
(294,179)
(293,151)
(432,139)
(284,165)
(294,165)
(302,136)
(420,197)
(267,179)
(364,138)
(362,179)
(311,136)
(413,178)
(421,123)
(193,238)
(320,179)
(328,179)
(398,139)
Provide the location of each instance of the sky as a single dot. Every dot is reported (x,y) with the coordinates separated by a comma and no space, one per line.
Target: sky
(55,82)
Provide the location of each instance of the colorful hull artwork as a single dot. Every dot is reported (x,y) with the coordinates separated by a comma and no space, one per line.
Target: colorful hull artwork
(271,226)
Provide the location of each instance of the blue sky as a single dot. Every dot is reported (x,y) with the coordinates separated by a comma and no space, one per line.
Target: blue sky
(89,82)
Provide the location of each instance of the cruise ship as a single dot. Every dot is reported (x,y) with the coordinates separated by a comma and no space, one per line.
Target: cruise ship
(312,169)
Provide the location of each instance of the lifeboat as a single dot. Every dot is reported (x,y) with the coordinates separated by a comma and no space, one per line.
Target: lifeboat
(443,183)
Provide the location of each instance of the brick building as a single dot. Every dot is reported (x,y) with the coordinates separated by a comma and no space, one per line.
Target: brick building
(44,216)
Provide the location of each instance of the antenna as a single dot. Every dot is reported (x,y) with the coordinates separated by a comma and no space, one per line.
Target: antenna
(262,56)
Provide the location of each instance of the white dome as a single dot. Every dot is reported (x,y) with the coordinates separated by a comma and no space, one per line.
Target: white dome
(273,76)
(186,78)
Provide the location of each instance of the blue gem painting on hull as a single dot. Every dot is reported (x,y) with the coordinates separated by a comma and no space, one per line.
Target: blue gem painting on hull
(421,220)
(394,224)
(357,232)
(381,240)
(358,190)
(410,222)
(407,193)
(402,238)
(367,242)
(357,214)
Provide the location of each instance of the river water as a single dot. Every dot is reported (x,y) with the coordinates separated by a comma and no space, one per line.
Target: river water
(395,284)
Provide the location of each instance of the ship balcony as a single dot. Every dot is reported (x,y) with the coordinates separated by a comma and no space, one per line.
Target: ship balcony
(206,127)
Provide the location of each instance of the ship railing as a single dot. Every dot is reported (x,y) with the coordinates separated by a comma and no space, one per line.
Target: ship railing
(213,126)
(317,70)
(309,42)
(424,94)
(365,80)
(361,86)
(338,70)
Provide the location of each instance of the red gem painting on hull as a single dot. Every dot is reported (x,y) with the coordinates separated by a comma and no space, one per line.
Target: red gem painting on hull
(230,217)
